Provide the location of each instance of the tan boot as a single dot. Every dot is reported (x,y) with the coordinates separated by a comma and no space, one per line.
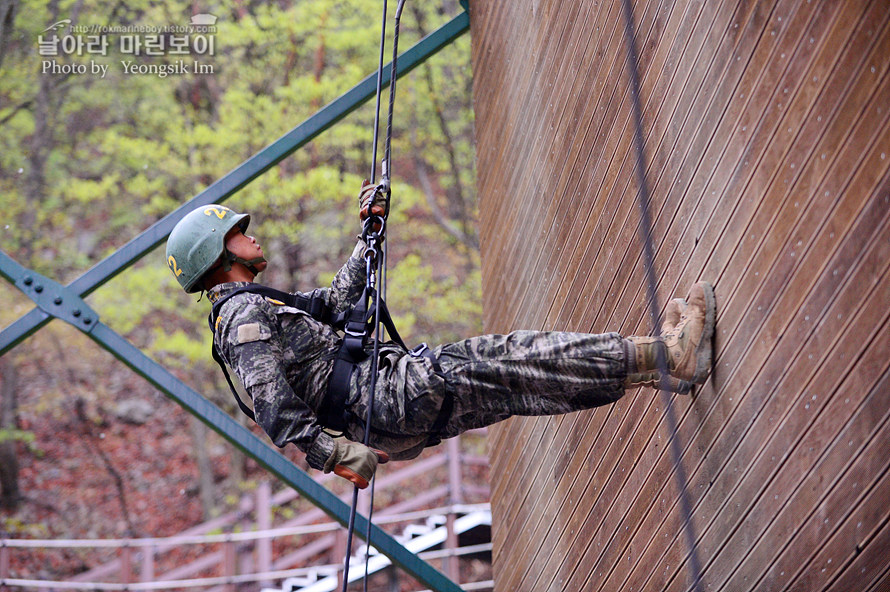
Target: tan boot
(672,316)
(688,344)
(648,348)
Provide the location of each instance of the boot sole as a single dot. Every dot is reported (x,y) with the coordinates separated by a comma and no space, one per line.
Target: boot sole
(704,352)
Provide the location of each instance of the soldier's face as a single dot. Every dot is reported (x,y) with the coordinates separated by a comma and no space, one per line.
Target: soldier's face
(244,246)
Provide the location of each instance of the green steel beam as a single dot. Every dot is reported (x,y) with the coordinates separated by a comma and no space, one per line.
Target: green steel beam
(240,176)
(66,302)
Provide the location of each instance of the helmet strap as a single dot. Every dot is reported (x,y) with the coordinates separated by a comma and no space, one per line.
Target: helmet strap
(251,263)
(229,258)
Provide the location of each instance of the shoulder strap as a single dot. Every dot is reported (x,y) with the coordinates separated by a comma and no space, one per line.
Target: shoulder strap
(314,304)
(244,408)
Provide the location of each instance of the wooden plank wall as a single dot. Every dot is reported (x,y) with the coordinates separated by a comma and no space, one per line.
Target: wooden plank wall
(768,142)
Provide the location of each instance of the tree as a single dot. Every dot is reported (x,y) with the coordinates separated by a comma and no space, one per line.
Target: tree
(10,496)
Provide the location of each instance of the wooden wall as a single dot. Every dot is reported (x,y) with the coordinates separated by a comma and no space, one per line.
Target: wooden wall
(768,142)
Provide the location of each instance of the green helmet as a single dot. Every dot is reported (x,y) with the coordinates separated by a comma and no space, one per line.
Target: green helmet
(198,241)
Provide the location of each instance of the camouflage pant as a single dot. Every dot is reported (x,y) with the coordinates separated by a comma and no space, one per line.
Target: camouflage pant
(489,379)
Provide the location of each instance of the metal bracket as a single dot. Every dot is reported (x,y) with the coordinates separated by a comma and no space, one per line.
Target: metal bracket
(50,296)
(58,301)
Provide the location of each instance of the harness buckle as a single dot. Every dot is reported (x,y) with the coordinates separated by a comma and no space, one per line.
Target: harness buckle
(417,351)
(353,332)
(424,351)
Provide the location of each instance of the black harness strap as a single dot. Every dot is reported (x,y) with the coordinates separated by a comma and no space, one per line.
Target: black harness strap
(333,411)
(313,305)
(247,410)
(352,351)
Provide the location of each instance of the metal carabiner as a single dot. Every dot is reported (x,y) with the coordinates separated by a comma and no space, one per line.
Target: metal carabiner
(372,231)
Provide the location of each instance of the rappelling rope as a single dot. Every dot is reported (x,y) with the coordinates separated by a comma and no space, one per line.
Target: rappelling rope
(375,257)
(649,260)
(386,172)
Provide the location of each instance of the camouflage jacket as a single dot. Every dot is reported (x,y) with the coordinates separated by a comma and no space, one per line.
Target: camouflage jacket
(284,357)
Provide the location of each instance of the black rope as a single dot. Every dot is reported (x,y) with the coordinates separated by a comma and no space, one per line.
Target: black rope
(379,92)
(654,309)
(376,269)
(387,153)
(386,175)
(367,439)
(372,267)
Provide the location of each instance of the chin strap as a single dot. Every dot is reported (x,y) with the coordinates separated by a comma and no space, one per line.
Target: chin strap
(229,258)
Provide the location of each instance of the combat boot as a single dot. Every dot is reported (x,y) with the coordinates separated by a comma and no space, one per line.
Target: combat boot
(687,346)
(672,315)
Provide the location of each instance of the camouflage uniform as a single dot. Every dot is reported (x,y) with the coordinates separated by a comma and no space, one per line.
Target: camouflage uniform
(284,357)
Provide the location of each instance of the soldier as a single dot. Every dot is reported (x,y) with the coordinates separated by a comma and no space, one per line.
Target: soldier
(284,357)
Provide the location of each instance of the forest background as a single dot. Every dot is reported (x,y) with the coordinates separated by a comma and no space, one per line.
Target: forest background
(88,161)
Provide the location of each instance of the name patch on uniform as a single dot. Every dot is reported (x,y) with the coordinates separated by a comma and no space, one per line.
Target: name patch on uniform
(253,332)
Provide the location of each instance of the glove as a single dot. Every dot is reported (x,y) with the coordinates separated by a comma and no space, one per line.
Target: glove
(354,462)
(371,201)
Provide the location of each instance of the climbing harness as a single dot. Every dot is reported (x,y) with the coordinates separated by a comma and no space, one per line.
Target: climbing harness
(356,324)
(649,260)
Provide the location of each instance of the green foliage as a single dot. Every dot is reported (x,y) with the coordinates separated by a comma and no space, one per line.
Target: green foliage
(24,436)
(428,306)
(14,527)
(7,435)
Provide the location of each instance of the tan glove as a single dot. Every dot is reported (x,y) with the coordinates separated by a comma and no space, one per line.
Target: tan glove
(370,201)
(354,462)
